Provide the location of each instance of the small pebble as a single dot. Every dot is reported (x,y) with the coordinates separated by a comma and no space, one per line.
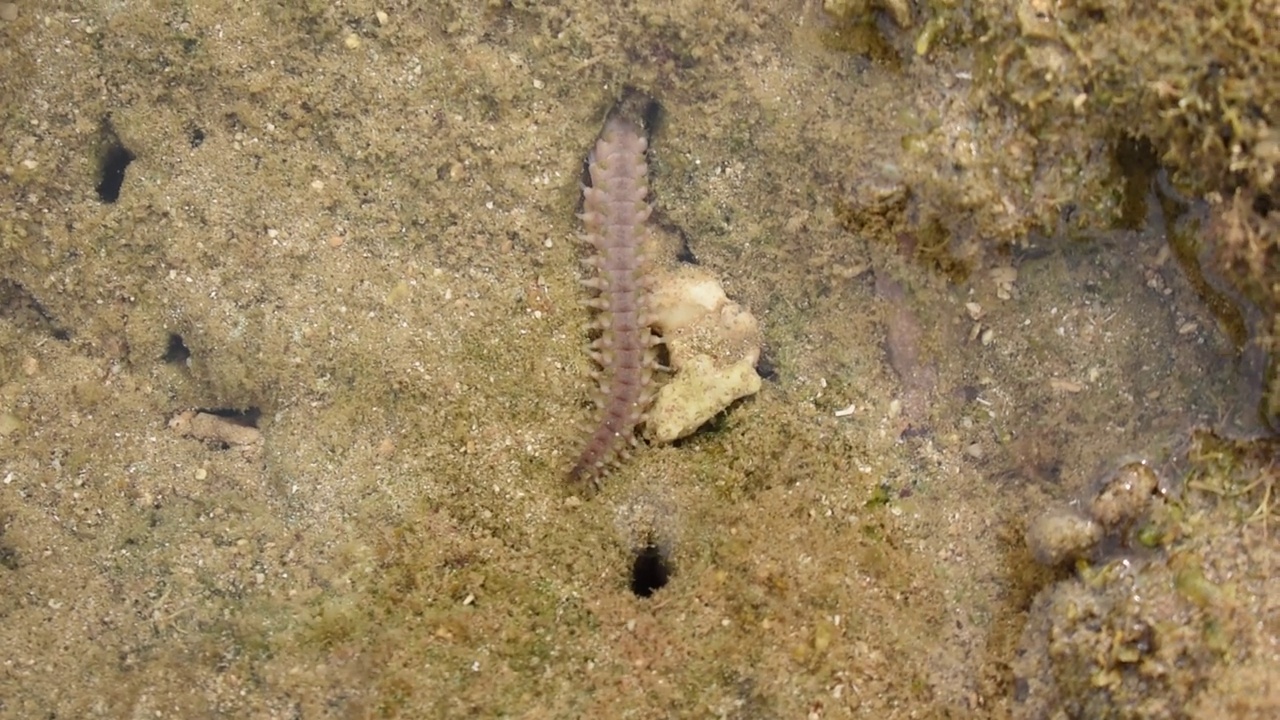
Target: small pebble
(1125,495)
(1061,535)
(1069,386)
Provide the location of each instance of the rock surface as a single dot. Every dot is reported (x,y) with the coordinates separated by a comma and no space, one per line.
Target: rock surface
(713,344)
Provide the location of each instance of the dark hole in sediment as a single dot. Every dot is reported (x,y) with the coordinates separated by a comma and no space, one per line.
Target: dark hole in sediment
(661,354)
(685,253)
(196,136)
(1136,161)
(177,351)
(114,161)
(1262,205)
(651,114)
(639,106)
(649,572)
(584,178)
(247,417)
(9,558)
(765,367)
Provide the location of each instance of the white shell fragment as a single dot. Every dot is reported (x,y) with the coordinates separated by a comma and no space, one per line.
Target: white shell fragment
(713,344)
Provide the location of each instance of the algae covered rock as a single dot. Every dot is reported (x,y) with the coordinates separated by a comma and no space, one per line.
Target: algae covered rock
(1187,629)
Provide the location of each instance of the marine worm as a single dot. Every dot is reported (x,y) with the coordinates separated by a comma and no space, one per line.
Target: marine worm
(614,211)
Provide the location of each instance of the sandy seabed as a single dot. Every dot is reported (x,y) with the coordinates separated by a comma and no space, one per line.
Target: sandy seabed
(351,228)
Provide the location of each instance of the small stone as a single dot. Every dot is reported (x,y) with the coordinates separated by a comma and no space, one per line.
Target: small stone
(1061,535)
(899,10)
(987,336)
(696,394)
(217,430)
(381,17)
(1068,386)
(1004,277)
(352,41)
(1036,19)
(1124,497)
